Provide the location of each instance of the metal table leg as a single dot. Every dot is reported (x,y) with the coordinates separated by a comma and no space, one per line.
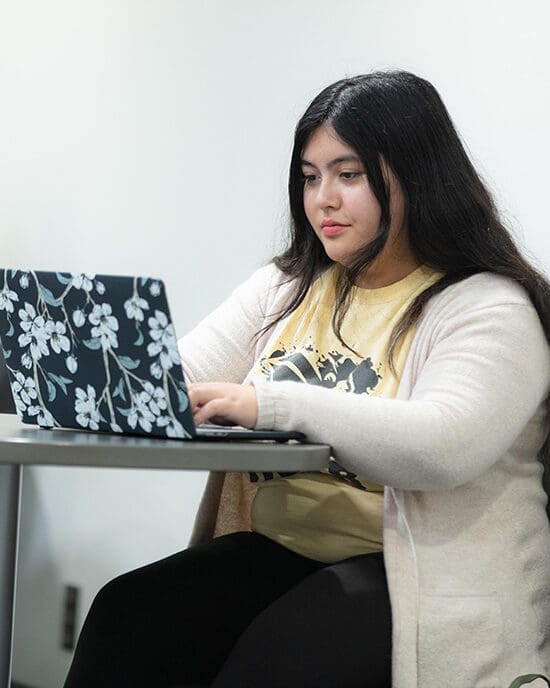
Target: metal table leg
(10,488)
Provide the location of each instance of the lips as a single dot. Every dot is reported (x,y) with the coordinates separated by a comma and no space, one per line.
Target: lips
(332,228)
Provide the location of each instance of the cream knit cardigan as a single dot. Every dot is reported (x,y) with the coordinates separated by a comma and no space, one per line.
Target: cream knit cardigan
(466,536)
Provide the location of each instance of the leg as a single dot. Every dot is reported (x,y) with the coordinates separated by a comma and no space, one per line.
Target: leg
(175,621)
(332,629)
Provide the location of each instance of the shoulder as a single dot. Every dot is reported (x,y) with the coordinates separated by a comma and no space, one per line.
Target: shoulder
(267,289)
(484,291)
(489,302)
(485,318)
(490,306)
(258,282)
(268,276)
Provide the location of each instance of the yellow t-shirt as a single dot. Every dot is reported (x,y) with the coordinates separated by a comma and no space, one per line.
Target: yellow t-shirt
(336,514)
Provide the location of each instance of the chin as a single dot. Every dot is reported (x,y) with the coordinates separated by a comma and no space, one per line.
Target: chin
(339,253)
(342,259)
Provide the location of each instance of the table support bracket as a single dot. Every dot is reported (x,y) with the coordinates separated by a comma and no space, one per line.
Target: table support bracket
(10,490)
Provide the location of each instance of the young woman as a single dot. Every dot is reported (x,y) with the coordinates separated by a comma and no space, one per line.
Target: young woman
(403,327)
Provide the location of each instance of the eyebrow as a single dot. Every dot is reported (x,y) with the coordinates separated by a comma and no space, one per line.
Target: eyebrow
(332,163)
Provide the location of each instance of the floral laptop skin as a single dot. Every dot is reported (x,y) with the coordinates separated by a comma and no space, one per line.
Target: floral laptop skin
(94,352)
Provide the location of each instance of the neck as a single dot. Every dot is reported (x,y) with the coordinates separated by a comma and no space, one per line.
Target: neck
(386,270)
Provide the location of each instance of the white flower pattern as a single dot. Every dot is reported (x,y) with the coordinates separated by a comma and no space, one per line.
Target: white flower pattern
(164,344)
(105,325)
(24,391)
(173,427)
(83,280)
(141,414)
(7,299)
(56,332)
(86,408)
(44,417)
(134,307)
(36,338)
(29,318)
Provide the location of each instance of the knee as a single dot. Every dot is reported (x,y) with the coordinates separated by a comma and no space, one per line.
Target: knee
(114,600)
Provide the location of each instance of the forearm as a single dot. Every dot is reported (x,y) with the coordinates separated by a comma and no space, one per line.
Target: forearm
(416,445)
(481,384)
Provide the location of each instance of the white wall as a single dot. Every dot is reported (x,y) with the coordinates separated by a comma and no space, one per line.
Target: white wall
(153,136)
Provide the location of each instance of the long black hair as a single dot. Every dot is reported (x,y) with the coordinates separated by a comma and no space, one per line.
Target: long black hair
(398,119)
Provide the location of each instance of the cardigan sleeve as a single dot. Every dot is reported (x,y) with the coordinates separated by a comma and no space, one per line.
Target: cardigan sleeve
(222,347)
(482,382)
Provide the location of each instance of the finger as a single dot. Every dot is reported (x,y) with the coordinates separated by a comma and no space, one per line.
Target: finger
(200,395)
(215,408)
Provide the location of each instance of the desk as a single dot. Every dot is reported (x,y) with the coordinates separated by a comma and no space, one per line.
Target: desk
(27,445)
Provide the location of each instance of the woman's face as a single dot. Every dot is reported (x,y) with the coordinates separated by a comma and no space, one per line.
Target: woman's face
(340,204)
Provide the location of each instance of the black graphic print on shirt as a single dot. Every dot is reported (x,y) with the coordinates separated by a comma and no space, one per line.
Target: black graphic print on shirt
(333,369)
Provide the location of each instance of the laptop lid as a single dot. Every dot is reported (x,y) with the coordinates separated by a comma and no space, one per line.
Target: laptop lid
(94,352)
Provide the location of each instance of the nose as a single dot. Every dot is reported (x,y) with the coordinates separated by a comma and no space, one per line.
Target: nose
(328,195)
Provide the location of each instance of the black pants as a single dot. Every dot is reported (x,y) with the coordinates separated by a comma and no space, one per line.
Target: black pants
(239,612)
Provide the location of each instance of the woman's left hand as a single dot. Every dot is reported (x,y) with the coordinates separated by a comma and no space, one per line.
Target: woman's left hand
(224,403)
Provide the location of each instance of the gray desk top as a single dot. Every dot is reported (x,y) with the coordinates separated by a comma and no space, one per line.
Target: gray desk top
(26,444)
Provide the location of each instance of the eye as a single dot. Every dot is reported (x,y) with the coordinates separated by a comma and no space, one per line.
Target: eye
(309,178)
(350,175)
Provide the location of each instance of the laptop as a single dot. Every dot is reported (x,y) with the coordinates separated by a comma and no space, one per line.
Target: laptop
(99,352)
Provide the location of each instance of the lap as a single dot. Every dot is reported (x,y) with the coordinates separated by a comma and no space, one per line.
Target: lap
(179,617)
(332,628)
(241,600)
